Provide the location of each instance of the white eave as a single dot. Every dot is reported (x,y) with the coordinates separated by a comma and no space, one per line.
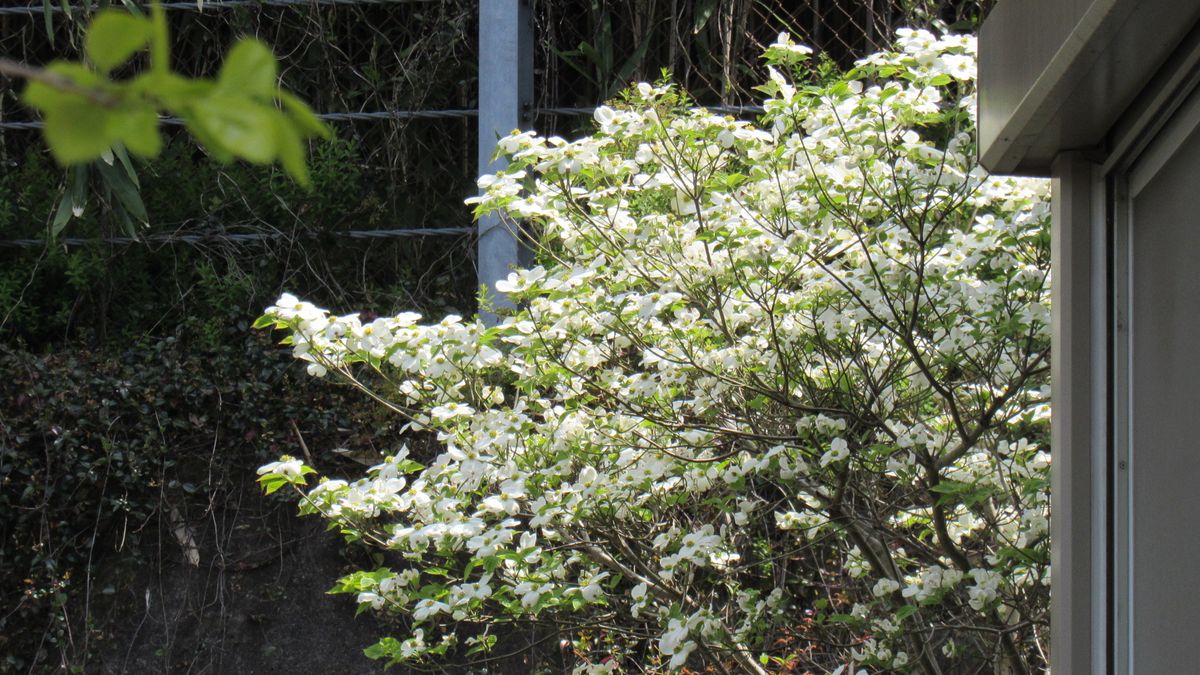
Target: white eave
(1058,75)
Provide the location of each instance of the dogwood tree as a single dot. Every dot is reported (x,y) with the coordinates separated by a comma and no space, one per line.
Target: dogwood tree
(775,396)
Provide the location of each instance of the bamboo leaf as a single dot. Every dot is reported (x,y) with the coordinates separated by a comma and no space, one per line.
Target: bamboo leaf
(48,19)
(62,215)
(701,14)
(125,192)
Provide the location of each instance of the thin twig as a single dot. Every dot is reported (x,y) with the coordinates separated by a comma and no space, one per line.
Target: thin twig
(16,70)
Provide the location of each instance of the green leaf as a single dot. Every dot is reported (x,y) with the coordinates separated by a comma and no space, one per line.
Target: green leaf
(951,487)
(136,126)
(702,13)
(905,612)
(119,151)
(303,116)
(483,644)
(272,483)
(77,132)
(382,649)
(291,150)
(62,215)
(79,189)
(46,97)
(132,7)
(160,36)
(842,618)
(48,19)
(249,70)
(265,321)
(173,91)
(125,191)
(235,126)
(115,36)
(127,226)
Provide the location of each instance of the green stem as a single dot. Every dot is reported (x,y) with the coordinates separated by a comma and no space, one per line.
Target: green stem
(160,46)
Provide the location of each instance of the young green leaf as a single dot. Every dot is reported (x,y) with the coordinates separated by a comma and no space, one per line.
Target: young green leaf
(307,122)
(249,70)
(136,126)
(45,96)
(77,132)
(236,126)
(291,149)
(114,37)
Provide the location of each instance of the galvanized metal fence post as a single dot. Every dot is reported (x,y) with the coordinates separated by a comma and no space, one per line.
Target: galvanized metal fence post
(505,103)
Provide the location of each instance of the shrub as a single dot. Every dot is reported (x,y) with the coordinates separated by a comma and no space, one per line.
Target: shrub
(775,397)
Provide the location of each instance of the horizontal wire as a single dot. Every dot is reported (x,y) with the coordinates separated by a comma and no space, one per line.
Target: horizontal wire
(332,117)
(420,114)
(239,237)
(57,8)
(719,109)
(352,234)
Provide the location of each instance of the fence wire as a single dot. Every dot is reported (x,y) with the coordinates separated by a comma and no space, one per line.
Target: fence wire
(423,114)
(398,78)
(236,237)
(590,49)
(195,5)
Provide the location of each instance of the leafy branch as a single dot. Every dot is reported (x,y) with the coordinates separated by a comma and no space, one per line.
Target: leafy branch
(241,114)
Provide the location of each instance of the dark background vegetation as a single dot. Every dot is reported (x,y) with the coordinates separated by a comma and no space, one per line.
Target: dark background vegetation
(135,403)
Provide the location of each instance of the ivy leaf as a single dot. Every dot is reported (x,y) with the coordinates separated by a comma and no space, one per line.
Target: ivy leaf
(115,36)
(249,70)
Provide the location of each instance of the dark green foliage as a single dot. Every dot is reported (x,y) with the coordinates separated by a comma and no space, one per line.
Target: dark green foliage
(131,384)
(96,449)
(113,294)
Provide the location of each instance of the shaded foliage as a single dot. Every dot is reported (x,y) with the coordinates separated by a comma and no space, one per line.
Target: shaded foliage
(98,450)
(128,375)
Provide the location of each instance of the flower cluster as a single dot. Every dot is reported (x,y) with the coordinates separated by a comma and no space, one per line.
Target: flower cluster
(769,383)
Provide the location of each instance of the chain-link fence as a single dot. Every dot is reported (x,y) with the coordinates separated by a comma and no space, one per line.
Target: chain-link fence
(397,79)
(369,64)
(590,49)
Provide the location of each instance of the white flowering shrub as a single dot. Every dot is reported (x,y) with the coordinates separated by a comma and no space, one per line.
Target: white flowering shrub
(775,397)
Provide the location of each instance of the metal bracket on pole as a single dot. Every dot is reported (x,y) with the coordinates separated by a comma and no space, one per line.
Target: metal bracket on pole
(505,103)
